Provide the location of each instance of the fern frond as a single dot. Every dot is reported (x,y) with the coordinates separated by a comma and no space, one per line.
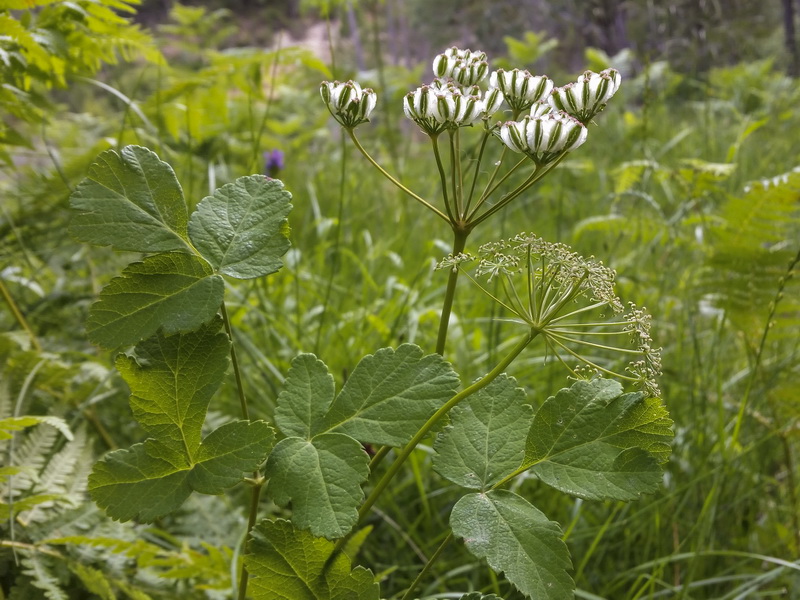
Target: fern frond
(38,568)
(64,477)
(93,580)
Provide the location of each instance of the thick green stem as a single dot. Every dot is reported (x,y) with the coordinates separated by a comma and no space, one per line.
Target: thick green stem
(459,242)
(393,180)
(427,567)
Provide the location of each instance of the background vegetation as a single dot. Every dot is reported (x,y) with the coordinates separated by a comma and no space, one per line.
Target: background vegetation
(688,187)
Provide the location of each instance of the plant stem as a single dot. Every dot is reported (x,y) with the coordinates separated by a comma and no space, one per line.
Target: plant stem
(759,353)
(393,180)
(477,170)
(459,242)
(251,522)
(437,155)
(258,481)
(336,244)
(19,316)
(236,372)
(427,567)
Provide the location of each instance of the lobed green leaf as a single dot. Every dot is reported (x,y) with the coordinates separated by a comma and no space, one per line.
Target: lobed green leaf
(150,480)
(172,291)
(486,438)
(306,396)
(130,201)
(516,538)
(241,229)
(172,380)
(593,441)
(289,564)
(390,395)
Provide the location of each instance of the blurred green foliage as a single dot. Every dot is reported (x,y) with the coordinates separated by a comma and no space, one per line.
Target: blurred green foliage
(681,192)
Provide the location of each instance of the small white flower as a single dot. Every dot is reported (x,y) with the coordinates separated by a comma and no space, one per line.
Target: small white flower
(587,96)
(520,88)
(543,138)
(349,104)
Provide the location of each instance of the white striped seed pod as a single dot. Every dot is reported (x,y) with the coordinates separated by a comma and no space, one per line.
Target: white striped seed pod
(543,138)
(587,96)
(520,88)
(540,108)
(349,104)
(492,102)
(463,66)
(441,106)
(420,105)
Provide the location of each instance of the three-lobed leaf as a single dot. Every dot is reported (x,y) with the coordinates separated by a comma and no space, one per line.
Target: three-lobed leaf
(593,441)
(171,291)
(130,201)
(241,229)
(286,563)
(516,538)
(172,379)
(150,480)
(320,466)
(485,440)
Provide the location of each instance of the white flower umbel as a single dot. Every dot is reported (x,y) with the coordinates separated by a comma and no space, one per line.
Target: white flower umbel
(520,88)
(564,298)
(587,96)
(543,138)
(349,104)
(465,67)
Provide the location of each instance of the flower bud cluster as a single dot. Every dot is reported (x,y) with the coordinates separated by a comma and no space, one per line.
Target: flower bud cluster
(544,137)
(443,105)
(465,67)
(520,88)
(349,104)
(587,96)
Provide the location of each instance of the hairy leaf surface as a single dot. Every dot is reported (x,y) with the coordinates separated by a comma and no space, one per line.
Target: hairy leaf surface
(306,396)
(130,201)
(150,480)
(322,479)
(288,564)
(172,380)
(516,538)
(390,395)
(593,441)
(174,291)
(486,438)
(241,229)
